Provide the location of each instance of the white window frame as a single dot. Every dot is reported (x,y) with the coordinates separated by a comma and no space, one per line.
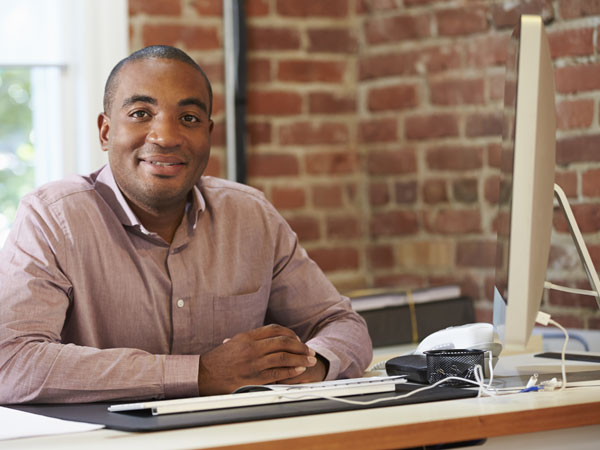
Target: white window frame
(74,44)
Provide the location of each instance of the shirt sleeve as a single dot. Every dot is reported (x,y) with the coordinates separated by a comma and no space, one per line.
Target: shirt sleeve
(35,297)
(303,299)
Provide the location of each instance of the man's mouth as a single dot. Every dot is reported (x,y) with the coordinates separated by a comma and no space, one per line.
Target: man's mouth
(163,164)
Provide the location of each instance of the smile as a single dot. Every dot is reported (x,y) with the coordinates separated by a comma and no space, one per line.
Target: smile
(162,164)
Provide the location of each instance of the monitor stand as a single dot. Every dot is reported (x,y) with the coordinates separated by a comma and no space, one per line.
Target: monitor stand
(584,255)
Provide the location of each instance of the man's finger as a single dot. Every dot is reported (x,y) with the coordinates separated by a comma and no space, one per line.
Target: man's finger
(283,344)
(272,330)
(275,375)
(283,359)
(316,373)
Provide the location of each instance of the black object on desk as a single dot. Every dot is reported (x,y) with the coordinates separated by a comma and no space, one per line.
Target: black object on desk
(570,357)
(145,421)
(413,366)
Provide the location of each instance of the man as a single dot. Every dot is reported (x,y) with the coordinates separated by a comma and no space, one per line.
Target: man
(146,280)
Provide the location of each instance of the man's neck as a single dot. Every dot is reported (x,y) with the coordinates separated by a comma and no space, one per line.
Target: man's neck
(163,222)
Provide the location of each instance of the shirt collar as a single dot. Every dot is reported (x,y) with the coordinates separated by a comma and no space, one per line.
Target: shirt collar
(198,205)
(107,187)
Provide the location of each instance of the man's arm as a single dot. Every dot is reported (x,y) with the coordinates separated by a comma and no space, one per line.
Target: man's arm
(35,300)
(303,299)
(266,355)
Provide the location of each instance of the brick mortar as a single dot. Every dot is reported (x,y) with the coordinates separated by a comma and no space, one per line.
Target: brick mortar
(468,50)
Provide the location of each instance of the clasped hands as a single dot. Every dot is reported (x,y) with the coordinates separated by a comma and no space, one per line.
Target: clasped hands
(266,355)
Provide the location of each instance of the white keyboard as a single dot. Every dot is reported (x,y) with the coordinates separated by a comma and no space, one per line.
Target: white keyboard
(275,394)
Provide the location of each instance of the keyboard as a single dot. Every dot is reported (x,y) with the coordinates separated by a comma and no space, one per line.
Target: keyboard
(275,394)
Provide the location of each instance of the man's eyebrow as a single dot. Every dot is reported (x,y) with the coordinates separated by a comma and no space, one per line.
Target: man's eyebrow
(193,101)
(138,98)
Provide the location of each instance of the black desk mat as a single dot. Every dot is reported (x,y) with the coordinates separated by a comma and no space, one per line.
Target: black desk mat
(145,421)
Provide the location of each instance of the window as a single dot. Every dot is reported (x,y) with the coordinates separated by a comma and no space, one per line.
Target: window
(16,143)
(55,58)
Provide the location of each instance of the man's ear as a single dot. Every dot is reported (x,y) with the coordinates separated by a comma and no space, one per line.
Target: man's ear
(104,130)
(211,125)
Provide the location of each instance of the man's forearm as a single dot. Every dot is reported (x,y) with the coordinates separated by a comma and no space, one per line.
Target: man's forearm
(57,373)
(346,346)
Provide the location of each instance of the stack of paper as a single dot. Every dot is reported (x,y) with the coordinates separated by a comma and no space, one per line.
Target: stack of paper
(369,299)
(18,424)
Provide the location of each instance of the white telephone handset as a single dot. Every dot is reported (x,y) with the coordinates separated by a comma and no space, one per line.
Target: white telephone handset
(479,336)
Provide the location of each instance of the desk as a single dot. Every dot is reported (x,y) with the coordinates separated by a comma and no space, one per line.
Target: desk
(503,418)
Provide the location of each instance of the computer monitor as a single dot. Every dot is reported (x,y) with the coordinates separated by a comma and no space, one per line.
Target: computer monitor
(524,222)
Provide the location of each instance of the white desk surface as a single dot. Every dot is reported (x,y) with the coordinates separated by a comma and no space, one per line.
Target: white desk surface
(376,420)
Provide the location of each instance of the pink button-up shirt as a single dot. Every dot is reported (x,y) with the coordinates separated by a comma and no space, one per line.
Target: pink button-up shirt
(95,307)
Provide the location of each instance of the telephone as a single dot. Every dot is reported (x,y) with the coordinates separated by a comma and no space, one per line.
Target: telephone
(470,336)
(473,335)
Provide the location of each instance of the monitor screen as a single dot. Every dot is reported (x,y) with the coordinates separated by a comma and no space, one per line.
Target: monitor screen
(525,205)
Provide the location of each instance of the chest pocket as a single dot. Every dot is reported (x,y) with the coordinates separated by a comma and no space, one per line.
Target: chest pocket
(239,313)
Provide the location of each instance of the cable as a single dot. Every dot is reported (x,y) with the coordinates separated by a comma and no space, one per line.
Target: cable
(562,354)
(570,290)
(544,319)
(491,368)
(379,366)
(479,382)
(572,336)
(379,400)
(488,390)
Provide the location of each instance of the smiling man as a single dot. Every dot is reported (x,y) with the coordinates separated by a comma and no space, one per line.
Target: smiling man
(156,129)
(146,279)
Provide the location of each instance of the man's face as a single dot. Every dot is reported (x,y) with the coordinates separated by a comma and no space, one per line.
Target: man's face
(157,133)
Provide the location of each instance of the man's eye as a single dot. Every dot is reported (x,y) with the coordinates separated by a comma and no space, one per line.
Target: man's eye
(190,118)
(139,114)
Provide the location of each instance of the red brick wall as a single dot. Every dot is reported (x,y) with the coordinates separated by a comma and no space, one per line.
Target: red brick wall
(374,127)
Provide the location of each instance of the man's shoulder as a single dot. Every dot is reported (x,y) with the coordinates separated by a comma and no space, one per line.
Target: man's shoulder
(212,187)
(68,188)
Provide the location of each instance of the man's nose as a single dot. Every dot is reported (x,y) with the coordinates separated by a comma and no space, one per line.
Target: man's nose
(164,132)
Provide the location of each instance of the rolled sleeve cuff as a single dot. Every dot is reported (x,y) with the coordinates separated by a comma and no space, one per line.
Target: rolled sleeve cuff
(334,362)
(181,376)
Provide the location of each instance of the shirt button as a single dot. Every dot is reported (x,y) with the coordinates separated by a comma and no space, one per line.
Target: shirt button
(180,303)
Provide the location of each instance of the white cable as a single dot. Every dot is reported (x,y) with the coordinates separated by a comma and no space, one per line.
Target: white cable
(544,319)
(489,390)
(378,400)
(479,378)
(563,385)
(379,366)
(491,367)
(570,290)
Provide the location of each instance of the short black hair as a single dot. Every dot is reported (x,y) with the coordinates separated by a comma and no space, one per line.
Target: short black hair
(153,51)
